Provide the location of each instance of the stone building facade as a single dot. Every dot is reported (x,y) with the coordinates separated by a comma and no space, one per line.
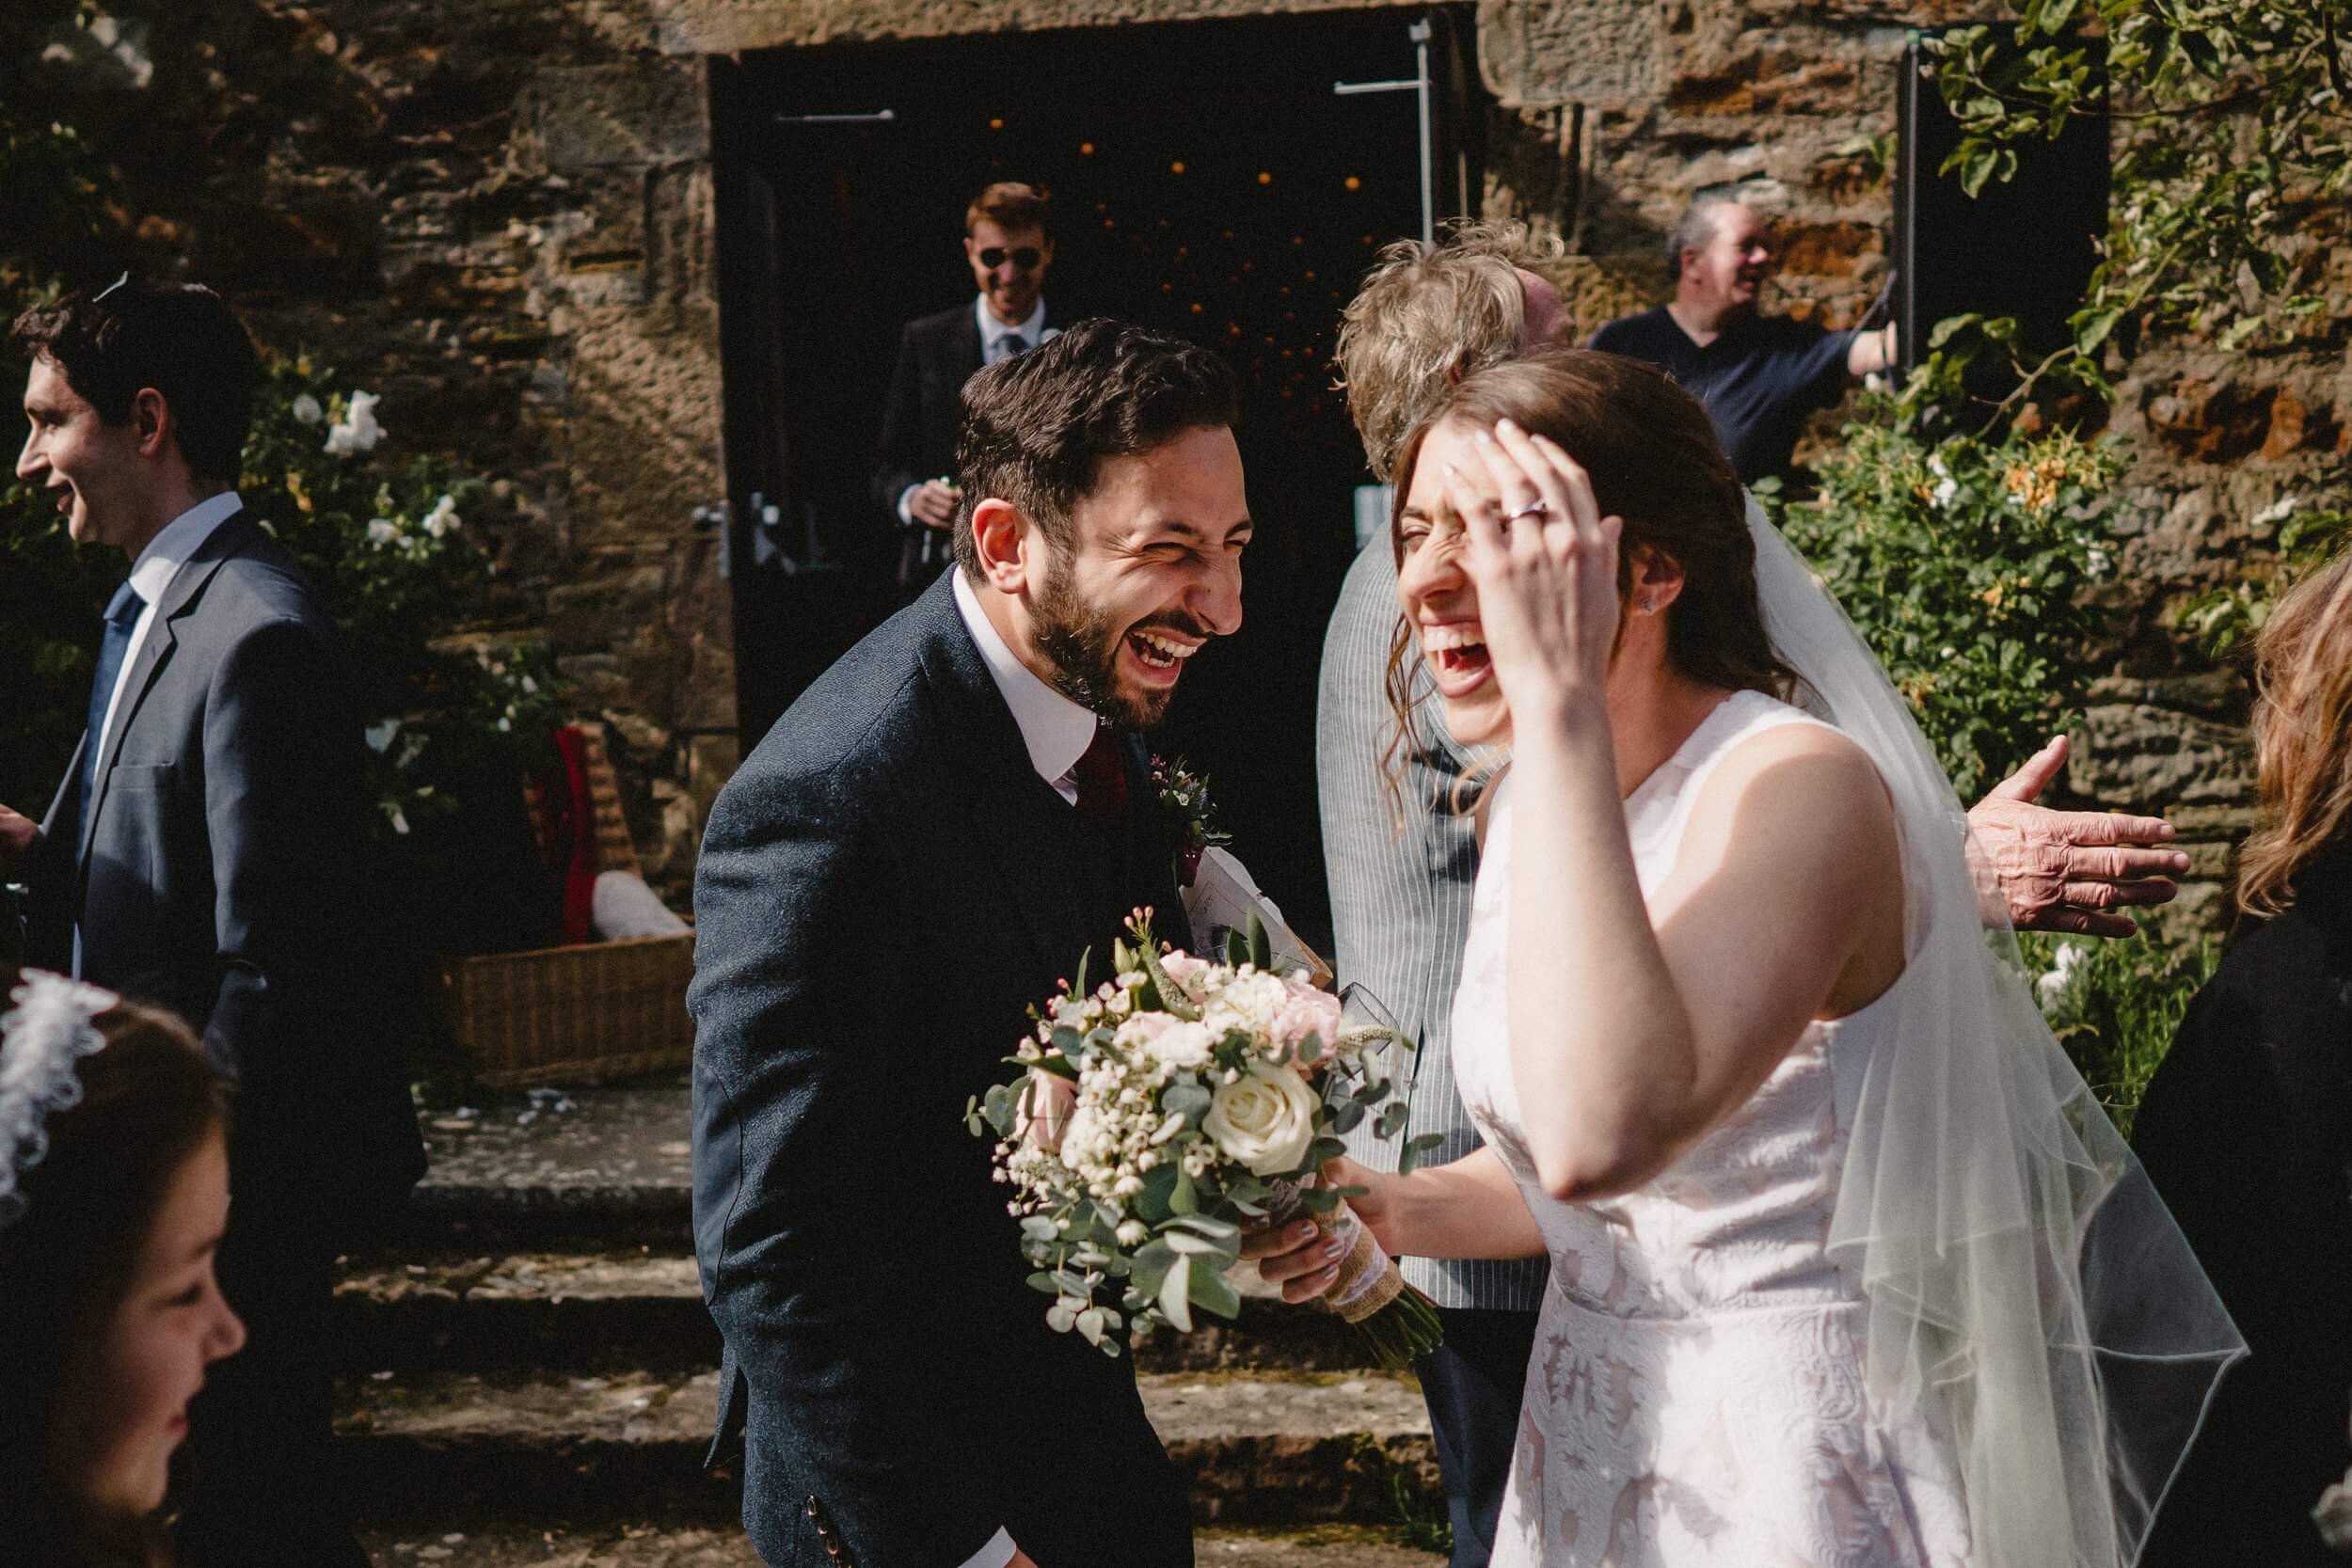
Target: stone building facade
(499,213)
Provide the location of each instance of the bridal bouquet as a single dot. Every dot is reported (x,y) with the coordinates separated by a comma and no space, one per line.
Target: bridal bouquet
(1172,1105)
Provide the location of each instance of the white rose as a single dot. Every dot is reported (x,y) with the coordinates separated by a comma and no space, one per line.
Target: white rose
(306,409)
(1265,1120)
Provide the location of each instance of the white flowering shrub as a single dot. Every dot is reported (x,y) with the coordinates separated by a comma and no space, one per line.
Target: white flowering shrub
(390,548)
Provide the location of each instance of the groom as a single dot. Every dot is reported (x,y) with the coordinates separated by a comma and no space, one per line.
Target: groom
(916,854)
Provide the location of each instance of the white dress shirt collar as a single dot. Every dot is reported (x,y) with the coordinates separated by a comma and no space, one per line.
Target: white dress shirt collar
(1055,730)
(993,331)
(178,540)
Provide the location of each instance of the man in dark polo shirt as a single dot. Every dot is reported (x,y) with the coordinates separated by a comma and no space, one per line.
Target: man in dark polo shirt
(1759,376)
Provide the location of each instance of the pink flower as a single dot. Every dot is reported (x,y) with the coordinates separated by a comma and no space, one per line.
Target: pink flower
(1041,1113)
(1181,966)
(1307,1012)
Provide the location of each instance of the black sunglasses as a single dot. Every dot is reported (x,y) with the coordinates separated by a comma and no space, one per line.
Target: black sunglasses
(1024,260)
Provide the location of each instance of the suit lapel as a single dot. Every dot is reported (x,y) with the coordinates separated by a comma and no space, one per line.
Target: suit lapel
(1152,850)
(964,343)
(180,598)
(1053,875)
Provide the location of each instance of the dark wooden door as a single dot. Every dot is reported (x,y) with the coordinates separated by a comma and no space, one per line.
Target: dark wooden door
(1206,181)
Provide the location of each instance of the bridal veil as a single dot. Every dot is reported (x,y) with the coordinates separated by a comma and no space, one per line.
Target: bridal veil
(2025,1287)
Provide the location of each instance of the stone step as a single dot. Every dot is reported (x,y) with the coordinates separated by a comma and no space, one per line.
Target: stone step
(643,1310)
(1283,1451)
(607,1167)
(656,1546)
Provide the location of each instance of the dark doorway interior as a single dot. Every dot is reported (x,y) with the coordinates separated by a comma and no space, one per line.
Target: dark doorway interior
(1206,181)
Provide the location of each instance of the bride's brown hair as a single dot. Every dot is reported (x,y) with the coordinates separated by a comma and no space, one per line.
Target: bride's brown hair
(1655,461)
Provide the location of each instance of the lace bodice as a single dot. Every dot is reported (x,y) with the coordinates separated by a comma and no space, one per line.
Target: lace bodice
(1696,1395)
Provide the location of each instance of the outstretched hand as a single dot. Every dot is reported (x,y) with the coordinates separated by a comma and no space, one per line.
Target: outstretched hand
(1545,563)
(2070,870)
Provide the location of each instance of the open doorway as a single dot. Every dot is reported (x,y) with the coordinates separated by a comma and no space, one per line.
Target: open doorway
(1206,181)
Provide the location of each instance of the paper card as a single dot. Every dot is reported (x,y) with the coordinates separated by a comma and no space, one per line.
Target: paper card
(1222,897)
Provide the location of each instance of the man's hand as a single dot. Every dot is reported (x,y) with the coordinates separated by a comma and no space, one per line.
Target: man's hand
(2069,870)
(16,836)
(1020,1559)
(932,503)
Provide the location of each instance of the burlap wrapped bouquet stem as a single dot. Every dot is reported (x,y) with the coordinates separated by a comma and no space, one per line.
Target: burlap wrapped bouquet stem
(1398,1321)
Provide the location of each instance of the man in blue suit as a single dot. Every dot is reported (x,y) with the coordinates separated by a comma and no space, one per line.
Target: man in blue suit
(204,851)
(917,853)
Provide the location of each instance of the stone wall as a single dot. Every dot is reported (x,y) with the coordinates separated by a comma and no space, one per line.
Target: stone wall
(501,209)
(1613,117)
(497,214)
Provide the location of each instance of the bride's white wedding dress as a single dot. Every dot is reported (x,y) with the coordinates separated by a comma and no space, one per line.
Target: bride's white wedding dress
(1696,1397)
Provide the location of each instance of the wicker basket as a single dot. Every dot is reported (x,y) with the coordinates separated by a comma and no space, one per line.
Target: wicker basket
(603,1009)
(580,1013)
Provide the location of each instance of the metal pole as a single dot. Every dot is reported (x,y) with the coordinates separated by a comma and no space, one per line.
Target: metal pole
(1420,32)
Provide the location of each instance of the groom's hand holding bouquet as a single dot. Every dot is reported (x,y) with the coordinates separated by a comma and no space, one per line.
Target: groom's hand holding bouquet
(1174,1108)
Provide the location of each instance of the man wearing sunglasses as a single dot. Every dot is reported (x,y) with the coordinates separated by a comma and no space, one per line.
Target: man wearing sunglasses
(1007,243)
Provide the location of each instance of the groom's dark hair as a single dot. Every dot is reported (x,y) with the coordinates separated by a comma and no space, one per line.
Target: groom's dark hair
(181,338)
(1036,426)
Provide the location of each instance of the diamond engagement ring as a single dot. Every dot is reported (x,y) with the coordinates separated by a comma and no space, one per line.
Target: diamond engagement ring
(1532,509)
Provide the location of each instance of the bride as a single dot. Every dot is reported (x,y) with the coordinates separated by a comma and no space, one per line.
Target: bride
(1848,1269)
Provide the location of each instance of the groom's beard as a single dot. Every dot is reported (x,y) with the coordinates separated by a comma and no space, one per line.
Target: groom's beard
(1082,645)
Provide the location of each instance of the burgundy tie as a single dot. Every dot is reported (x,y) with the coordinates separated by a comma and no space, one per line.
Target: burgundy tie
(1100,776)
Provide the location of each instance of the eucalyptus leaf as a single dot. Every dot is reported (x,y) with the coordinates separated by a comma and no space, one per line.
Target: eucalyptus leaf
(1175,1297)
(1215,1294)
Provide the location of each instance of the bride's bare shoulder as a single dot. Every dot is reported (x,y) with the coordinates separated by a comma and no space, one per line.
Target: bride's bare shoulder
(1796,773)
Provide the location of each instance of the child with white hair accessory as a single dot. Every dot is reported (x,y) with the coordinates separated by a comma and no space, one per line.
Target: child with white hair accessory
(114,1189)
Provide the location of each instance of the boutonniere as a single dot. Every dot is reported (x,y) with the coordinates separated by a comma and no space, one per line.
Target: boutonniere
(1184,796)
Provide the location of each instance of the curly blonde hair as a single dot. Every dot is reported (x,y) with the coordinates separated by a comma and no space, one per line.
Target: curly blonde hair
(1428,315)
(2302,737)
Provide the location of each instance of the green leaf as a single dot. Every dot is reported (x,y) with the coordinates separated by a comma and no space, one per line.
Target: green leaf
(1172,999)
(1408,1159)
(1155,1204)
(1213,1294)
(1181,1200)
(1191,1100)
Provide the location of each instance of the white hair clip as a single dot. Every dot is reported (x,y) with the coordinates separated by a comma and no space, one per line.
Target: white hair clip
(49,1030)
(111,287)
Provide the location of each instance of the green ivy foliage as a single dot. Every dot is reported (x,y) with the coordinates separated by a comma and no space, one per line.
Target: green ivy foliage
(2237,122)
(1962,563)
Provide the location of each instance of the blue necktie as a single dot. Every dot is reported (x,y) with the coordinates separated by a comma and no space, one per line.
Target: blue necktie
(122,618)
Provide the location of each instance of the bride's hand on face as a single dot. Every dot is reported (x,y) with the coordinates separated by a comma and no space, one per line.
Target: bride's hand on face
(1545,563)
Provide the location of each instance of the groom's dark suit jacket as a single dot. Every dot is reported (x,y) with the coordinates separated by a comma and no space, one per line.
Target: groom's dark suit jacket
(219,869)
(886,888)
